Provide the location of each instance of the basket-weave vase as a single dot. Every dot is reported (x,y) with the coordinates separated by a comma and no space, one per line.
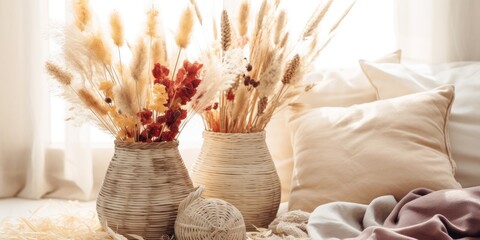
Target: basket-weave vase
(238,168)
(143,186)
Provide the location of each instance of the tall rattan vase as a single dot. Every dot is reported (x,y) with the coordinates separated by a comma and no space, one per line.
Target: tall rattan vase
(238,168)
(143,187)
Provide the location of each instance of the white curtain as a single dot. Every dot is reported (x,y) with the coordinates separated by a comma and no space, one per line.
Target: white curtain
(30,166)
(438,31)
(23,125)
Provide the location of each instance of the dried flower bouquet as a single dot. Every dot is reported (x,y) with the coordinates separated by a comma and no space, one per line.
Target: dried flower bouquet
(140,100)
(256,66)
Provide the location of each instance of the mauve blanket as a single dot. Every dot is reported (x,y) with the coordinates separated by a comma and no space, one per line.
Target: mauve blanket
(421,214)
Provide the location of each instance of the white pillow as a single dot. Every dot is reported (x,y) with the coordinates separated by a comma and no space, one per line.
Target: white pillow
(392,80)
(335,88)
(358,153)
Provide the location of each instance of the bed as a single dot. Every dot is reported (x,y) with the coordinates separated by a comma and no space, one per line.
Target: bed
(387,150)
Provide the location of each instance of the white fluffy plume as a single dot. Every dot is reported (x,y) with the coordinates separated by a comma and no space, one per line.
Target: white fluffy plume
(217,77)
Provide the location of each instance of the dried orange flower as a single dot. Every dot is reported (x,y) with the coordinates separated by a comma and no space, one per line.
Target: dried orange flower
(107,88)
(160,98)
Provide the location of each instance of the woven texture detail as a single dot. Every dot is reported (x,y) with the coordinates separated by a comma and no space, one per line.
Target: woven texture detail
(208,219)
(238,168)
(143,186)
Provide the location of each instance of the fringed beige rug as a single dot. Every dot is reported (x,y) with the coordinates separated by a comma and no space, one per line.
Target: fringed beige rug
(83,224)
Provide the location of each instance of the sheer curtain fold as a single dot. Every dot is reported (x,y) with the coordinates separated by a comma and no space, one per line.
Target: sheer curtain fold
(20,123)
(438,31)
(29,166)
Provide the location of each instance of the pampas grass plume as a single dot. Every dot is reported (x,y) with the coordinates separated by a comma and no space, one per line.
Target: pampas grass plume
(316,19)
(158,52)
(117,29)
(139,60)
(152,23)
(125,97)
(243,18)
(281,20)
(185,28)
(82,13)
(269,79)
(345,13)
(100,49)
(91,102)
(62,76)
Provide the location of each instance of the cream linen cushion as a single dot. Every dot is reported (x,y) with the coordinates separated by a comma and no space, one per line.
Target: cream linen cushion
(356,154)
(392,80)
(335,88)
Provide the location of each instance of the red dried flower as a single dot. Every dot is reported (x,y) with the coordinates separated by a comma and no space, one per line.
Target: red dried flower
(154,129)
(145,116)
(168,136)
(192,68)
(187,81)
(180,92)
(160,72)
(161,119)
(180,76)
(230,95)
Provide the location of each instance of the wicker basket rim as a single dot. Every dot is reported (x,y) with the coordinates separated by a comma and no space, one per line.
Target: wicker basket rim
(251,134)
(145,145)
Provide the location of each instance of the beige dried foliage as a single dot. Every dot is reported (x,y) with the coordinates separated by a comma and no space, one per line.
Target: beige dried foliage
(139,60)
(117,29)
(185,28)
(262,105)
(342,17)
(243,18)
(99,49)
(152,23)
(271,57)
(258,24)
(297,107)
(291,70)
(197,11)
(261,15)
(226,31)
(89,99)
(159,51)
(82,13)
(280,26)
(269,78)
(74,221)
(240,106)
(125,97)
(63,77)
(315,20)
(284,42)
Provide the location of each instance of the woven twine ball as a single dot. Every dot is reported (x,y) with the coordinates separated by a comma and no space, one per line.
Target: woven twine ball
(209,219)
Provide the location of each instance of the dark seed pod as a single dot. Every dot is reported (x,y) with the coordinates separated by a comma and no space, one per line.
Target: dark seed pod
(249,67)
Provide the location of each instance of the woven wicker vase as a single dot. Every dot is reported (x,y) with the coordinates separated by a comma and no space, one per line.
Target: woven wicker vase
(238,168)
(143,187)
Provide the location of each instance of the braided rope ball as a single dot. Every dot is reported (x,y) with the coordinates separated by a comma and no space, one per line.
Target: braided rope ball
(208,219)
